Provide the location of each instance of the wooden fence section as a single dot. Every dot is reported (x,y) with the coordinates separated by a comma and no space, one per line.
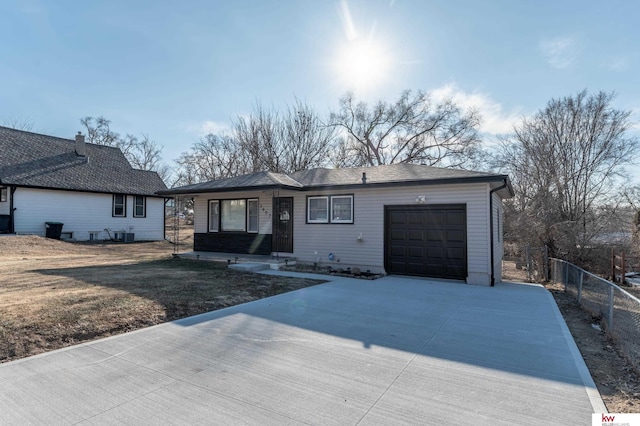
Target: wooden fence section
(621,264)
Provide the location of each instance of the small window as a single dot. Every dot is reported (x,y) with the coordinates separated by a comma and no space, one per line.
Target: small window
(3,194)
(342,209)
(140,206)
(214,215)
(119,205)
(318,209)
(252,216)
(234,215)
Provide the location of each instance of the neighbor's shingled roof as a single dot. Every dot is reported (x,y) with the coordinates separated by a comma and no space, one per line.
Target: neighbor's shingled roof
(34,160)
(388,175)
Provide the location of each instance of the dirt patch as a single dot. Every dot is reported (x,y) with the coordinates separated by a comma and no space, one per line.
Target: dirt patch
(616,380)
(55,294)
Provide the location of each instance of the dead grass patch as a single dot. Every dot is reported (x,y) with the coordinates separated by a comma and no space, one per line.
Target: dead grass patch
(55,294)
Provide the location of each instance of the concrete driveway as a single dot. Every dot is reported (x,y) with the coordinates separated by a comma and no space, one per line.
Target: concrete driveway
(349,352)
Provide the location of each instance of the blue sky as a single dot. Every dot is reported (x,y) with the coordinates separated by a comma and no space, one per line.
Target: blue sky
(174,70)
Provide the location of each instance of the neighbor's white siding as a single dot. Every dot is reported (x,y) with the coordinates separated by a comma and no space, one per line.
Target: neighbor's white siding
(201,208)
(5,205)
(82,213)
(314,242)
(498,237)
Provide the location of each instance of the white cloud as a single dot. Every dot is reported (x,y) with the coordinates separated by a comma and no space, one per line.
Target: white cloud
(494,119)
(209,126)
(619,63)
(560,52)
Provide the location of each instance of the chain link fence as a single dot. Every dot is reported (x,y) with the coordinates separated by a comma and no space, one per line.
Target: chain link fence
(532,260)
(617,310)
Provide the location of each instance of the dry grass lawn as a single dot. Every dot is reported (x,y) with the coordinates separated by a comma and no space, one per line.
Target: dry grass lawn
(55,294)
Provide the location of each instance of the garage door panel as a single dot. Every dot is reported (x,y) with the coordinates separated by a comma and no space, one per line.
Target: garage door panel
(397,217)
(435,270)
(414,252)
(415,235)
(434,218)
(435,252)
(455,235)
(415,268)
(426,241)
(454,253)
(398,251)
(415,218)
(456,271)
(435,234)
(456,218)
(398,235)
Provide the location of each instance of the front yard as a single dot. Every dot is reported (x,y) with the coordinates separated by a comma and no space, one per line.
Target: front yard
(55,294)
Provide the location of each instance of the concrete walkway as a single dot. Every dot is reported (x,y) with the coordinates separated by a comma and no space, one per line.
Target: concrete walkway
(390,351)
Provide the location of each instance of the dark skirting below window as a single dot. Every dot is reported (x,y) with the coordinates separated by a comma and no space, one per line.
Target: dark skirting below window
(231,242)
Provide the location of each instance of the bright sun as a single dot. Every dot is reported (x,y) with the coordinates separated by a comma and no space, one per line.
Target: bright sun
(362,65)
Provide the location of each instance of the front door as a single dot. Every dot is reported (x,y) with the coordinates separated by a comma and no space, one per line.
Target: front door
(283,224)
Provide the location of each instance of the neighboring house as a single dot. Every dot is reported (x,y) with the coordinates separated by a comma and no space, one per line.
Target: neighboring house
(405,219)
(91,189)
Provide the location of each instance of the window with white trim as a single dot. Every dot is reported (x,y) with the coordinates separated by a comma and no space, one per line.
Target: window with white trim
(234,215)
(318,209)
(3,194)
(342,209)
(139,206)
(119,207)
(330,209)
(252,215)
(214,215)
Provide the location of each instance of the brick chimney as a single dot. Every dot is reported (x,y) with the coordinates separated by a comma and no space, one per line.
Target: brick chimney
(81,150)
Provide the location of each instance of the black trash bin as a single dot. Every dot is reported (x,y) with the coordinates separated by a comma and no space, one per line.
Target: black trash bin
(54,229)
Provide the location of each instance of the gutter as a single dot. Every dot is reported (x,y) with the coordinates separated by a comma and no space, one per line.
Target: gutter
(493,269)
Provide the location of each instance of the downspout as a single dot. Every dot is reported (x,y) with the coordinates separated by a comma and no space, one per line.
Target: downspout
(493,269)
(12,226)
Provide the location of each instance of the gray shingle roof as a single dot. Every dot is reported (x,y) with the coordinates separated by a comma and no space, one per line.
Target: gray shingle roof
(35,160)
(252,180)
(394,174)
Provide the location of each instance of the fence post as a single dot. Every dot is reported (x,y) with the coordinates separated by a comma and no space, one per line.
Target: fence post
(566,275)
(527,262)
(623,271)
(613,265)
(580,278)
(545,263)
(610,316)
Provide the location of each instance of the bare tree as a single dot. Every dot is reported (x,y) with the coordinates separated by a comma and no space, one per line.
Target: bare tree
(414,129)
(18,123)
(143,154)
(307,141)
(99,131)
(259,136)
(632,196)
(563,162)
(262,141)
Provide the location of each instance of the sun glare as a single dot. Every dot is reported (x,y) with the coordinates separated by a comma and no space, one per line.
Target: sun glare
(362,65)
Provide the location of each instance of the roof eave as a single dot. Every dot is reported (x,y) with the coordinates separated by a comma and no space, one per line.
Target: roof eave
(226,189)
(440,181)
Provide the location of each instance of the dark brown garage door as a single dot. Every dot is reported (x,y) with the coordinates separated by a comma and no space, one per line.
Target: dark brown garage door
(429,241)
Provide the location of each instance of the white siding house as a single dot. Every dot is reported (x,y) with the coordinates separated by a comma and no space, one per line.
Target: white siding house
(400,219)
(92,190)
